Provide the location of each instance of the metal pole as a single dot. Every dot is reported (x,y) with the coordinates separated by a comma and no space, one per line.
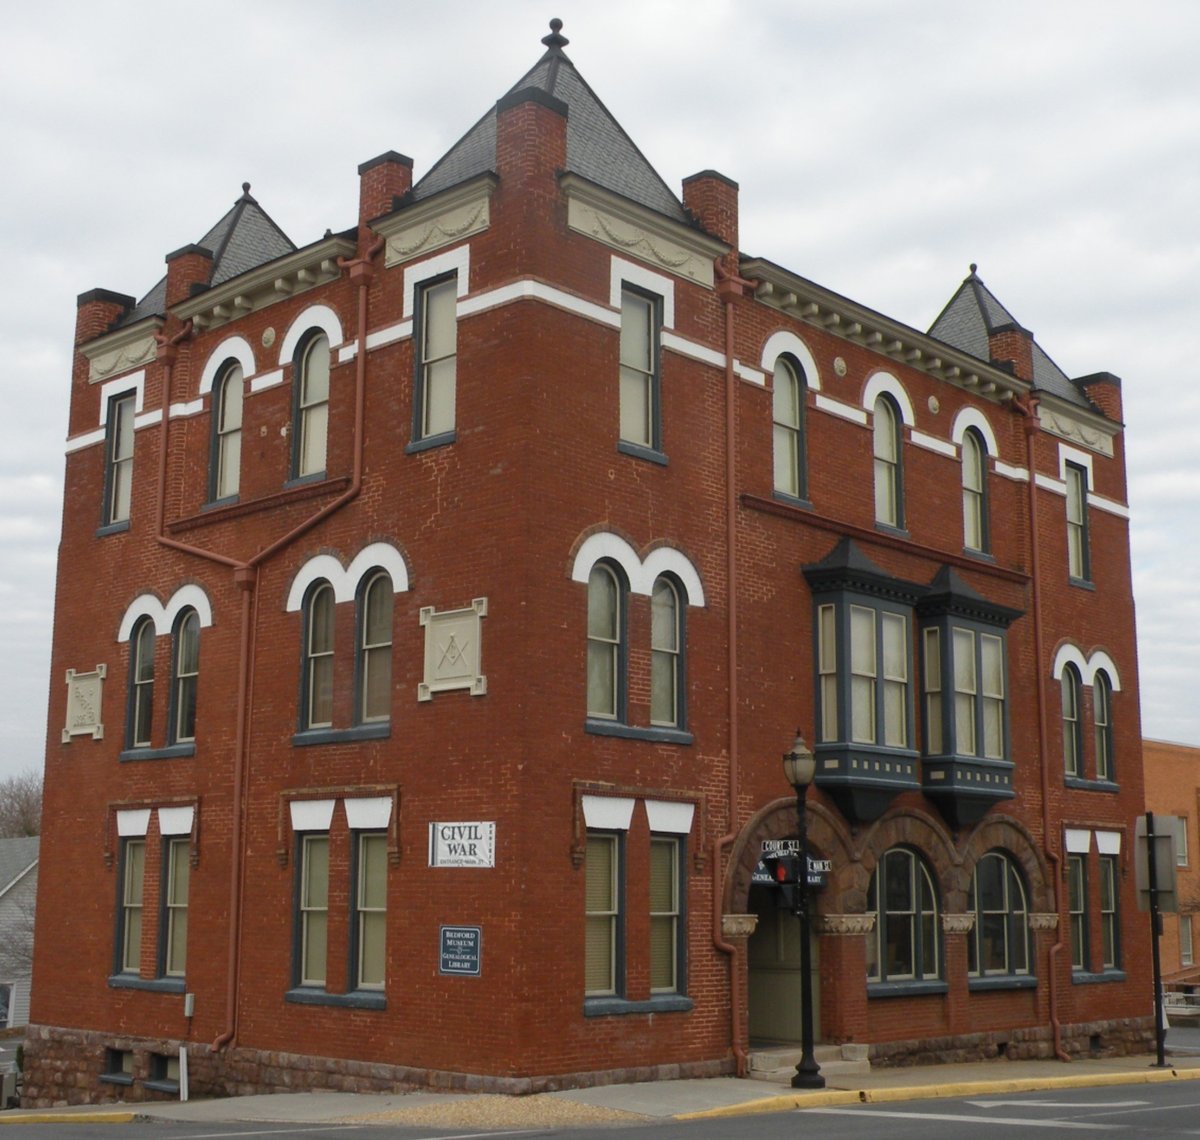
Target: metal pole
(808,1072)
(1160,1032)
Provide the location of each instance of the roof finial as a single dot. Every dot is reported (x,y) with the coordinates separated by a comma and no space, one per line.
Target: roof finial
(973,268)
(245,187)
(555,39)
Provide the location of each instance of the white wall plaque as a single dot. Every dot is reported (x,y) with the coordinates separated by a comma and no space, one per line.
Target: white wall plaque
(84,691)
(467,844)
(453,650)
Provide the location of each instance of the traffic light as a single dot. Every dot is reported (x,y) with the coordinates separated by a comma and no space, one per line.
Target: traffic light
(785,872)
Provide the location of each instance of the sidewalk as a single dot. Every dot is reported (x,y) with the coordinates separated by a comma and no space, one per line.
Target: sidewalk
(684,1099)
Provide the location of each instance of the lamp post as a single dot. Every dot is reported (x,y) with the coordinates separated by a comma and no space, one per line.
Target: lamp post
(799,766)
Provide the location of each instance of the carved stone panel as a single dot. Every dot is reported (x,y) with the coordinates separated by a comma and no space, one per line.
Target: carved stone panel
(84,691)
(453,650)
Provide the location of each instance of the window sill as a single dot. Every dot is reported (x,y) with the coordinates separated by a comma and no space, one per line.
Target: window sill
(153,985)
(1083,785)
(905,989)
(636,732)
(1082,583)
(894,531)
(378,730)
(162,1086)
(304,480)
(792,500)
(641,451)
(356,999)
(112,528)
(171,752)
(1084,978)
(619,1007)
(430,441)
(116,1079)
(1005,982)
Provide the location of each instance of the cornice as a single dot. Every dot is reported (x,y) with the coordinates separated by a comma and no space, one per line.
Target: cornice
(823,309)
(435,222)
(637,231)
(256,289)
(1076,425)
(123,350)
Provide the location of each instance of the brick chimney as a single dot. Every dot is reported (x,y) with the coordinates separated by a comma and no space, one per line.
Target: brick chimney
(188,266)
(381,180)
(712,199)
(1011,344)
(1104,390)
(97,310)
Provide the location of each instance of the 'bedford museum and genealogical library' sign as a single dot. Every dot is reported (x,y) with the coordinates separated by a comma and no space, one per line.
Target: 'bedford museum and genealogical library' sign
(462,844)
(462,949)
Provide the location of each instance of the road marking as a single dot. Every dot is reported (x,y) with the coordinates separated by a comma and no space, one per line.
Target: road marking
(963,1118)
(1060,1103)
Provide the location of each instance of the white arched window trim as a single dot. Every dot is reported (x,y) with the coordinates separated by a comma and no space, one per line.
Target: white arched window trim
(1088,666)
(324,567)
(314,317)
(785,343)
(641,574)
(884,382)
(974,418)
(163,617)
(234,348)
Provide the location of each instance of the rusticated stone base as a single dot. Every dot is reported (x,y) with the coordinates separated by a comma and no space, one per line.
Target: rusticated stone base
(67,1066)
(1119,1038)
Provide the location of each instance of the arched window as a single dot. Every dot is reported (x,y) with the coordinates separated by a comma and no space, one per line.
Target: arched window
(999,944)
(605,657)
(905,944)
(888,477)
(974,491)
(318,657)
(788,414)
(1072,737)
(375,648)
(141,685)
(312,406)
(227,428)
(666,652)
(186,673)
(1102,691)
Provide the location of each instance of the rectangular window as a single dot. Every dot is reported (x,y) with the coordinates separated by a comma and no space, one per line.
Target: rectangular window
(133,875)
(1077,906)
(437,363)
(664,914)
(933,692)
(370,906)
(966,687)
(827,667)
(862,675)
(1109,912)
(1185,940)
(603,916)
(1077,528)
(991,652)
(1181,841)
(314,909)
(895,680)
(639,370)
(119,445)
(176,873)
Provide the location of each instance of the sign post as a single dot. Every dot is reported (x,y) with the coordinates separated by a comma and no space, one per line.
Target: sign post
(1155,870)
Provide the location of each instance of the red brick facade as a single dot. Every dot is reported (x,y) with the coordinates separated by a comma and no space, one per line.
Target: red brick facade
(514,506)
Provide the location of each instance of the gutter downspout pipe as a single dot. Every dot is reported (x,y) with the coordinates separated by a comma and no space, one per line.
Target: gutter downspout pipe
(1027,406)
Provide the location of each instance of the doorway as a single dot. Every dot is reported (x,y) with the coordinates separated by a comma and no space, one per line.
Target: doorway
(773,960)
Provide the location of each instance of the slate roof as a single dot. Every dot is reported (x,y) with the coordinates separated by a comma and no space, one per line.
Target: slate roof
(16,856)
(245,238)
(973,312)
(597,147)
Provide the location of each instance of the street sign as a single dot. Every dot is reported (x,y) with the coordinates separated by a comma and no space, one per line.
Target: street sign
(462,951)
(818,869)
(1165,829)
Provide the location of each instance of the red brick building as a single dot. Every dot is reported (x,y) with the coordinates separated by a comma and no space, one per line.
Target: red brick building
(436,601)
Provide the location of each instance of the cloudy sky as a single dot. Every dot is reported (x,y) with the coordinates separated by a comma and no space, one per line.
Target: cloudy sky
(881,146)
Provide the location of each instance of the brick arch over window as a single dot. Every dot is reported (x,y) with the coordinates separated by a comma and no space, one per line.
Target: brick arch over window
(1012,837)
(921,832)
(314,317)
(148,606)
(828,838)
(345,581)
(233,348)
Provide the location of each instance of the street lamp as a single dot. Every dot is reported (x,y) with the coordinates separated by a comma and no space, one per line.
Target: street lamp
(799,766)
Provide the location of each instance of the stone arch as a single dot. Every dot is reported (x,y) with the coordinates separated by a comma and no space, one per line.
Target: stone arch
(924,833)
(1012,837)
(828,838)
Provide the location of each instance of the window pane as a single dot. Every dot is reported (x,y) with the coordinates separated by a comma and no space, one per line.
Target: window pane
(372,909)
(441,302)
(376,665)
(664,658)
(933,694)
(315,382)
(314,406)
(827,657)
(635,407)
(895,693)
(600,933)
(636,317)
(440,383)
(603,643)
(664,911)
(314,902)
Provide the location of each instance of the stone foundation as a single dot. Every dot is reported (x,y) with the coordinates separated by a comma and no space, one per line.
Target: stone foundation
(1119,1038)
(68,1067)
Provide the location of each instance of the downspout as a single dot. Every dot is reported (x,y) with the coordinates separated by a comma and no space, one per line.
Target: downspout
(245,575)
(1027,406)
(729,287)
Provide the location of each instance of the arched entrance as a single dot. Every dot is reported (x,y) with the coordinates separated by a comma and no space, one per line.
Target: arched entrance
(773,969)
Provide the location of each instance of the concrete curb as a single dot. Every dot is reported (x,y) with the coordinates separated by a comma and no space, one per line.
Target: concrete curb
(90,1116)
(840,1097)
